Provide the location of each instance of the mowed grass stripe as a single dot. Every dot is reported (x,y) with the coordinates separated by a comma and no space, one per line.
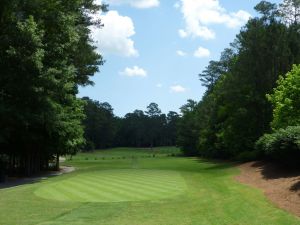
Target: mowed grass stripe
(70,192)
(138,183)
(144,173)
(146,185)
(156,182)
(95,194)
(133,186)
(115,185)
(156,179)
(51,193)
(140,191)
(126,193)
(106,196)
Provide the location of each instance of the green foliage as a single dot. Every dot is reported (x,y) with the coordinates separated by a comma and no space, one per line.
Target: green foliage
(249,156)
(188,129)
(147,129)
(282,145)
(286,100)
(234,111)
(99,125)
(46,53)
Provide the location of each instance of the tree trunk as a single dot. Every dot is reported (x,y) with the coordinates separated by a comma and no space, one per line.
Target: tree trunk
(57,162)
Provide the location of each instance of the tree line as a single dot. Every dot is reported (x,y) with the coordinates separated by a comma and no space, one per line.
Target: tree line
(46,52)
(250,109)
(235,110)
(149,128)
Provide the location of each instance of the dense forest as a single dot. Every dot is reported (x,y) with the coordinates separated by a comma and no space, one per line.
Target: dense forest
(46,53)
(249,110)
(140,128)
(250,93)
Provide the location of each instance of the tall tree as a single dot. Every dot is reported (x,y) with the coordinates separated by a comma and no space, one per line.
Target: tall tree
(46,53)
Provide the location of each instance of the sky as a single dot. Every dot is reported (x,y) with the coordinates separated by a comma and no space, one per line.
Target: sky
(155,49)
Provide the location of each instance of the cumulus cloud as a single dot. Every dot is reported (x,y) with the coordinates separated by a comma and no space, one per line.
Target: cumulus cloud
(115,36)
(202,52)
(140,4)
(199,14)
(177,89)
(182,33)
(181,53)
(134,72)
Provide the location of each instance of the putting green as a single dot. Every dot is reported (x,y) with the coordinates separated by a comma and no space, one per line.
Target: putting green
(115,186)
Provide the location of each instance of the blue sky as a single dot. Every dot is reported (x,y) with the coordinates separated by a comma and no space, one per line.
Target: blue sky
(155,49)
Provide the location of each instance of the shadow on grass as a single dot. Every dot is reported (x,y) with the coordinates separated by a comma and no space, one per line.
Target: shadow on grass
(18,181)
(14,182)
(216,164)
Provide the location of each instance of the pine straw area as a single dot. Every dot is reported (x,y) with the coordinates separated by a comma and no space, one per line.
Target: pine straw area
(280,185)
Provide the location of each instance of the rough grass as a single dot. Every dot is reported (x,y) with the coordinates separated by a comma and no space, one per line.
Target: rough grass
(208,195)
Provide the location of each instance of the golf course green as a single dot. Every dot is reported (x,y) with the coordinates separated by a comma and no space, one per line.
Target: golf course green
(126,186)
(115,186)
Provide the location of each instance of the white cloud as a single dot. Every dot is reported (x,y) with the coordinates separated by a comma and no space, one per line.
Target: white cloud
(159,85)
(177,5)
(134,72)
(98,2)
(182,33)
(199,14)
(115,36)
(181,53)
(202,52)
(177,89)
(140,4)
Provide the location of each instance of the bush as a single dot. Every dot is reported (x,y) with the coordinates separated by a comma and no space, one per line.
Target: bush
(248,156)
(283,145)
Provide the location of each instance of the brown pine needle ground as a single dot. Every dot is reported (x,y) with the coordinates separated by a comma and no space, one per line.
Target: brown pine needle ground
(280,185)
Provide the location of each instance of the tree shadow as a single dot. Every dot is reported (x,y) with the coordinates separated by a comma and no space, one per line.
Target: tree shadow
(295,187)
(214,164)
(271,170)
(18,181)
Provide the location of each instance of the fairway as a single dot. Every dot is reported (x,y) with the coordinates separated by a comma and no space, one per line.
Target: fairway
(130,186)
(115,186)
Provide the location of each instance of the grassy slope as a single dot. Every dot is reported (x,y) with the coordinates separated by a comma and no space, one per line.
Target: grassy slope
(212,196)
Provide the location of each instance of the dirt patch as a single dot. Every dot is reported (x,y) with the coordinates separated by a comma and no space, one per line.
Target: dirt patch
(280,185)
(16,181)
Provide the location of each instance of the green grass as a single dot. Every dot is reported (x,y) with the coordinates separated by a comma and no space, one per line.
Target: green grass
(115,186)
(140,187)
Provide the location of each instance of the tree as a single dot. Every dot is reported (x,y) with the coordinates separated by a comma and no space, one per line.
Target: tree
(286,100)
(188,131)
(153,110)
(290,11)
(43,61)
(234,112)
(171,127)
(99,124)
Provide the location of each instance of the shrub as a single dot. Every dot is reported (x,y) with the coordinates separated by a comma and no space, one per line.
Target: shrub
(283,145)
(247,156)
